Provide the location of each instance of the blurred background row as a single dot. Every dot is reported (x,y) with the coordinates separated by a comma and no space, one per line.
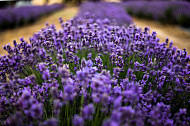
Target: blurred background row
(18,3)
(169,18)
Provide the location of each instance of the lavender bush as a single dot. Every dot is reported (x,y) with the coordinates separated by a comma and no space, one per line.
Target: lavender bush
(103,10)
(177,12)
(11,17)
(94,73)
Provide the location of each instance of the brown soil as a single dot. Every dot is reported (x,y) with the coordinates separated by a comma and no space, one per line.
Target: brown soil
(8,36)
(178,35)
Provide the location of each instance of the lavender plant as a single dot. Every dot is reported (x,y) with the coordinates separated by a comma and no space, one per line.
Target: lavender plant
(11,17)
(175,12)
(94,73)
(108,12)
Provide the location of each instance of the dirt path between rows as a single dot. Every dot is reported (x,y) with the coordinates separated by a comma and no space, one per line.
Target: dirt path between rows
(27,31)
(178,35)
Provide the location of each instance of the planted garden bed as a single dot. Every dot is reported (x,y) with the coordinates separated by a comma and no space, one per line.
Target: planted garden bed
(177,12)
(12,17)
(104,11)
(94,73)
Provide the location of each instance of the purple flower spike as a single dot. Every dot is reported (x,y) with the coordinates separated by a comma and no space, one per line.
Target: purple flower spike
(36,110)
(88,111)
(63,72)
(50,122)
(78,121)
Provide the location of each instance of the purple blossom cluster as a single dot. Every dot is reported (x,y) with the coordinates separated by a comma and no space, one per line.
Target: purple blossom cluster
(97,11)
(11,17)
(94,73)
(177,12)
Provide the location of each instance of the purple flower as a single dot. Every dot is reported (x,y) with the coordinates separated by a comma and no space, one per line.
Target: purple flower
(110,123)
(37,110)
(50,122)
(118,102)
(41,67)
(116,116)
(46,75)
(88,111)
(78,121)
(63,72)
(89,63)
(82,74)
(54,67)
(57,106)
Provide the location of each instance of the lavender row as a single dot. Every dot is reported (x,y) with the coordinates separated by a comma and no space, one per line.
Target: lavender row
(103,11)
(94,74)
(11,17)
(177,12)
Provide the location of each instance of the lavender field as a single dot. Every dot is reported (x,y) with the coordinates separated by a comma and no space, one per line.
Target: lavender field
(97,68)
(14,17)
(173,12)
